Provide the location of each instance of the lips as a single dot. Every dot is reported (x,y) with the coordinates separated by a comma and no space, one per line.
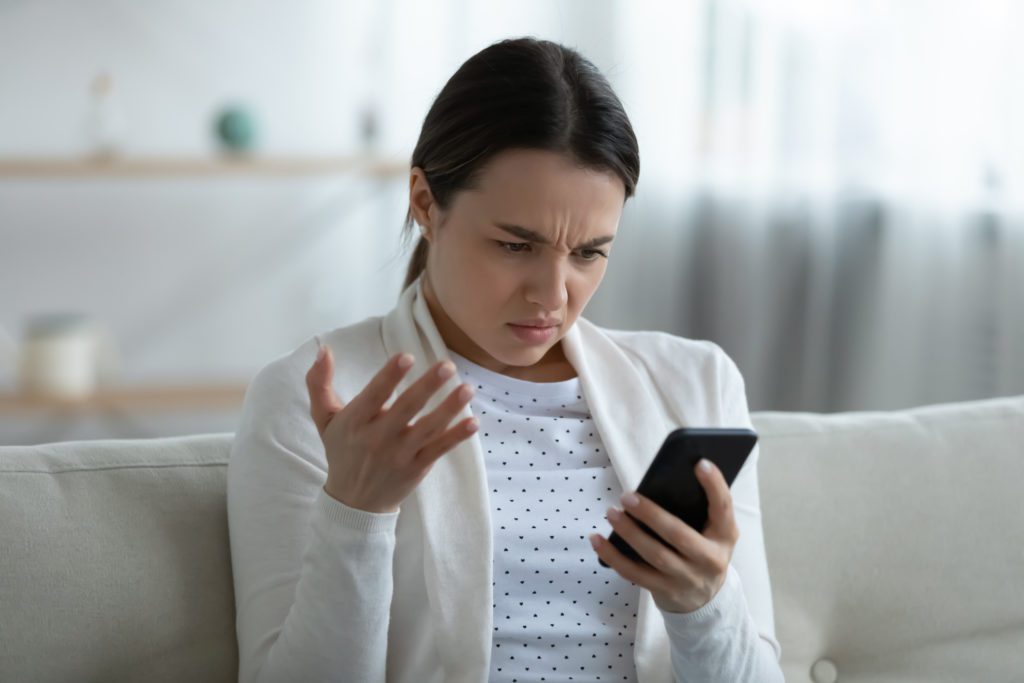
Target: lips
(536,324)
(532,334)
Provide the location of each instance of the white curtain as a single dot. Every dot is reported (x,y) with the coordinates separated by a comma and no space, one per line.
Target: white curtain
(832,191)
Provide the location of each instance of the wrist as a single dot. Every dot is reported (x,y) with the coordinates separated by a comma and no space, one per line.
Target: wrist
(333,493)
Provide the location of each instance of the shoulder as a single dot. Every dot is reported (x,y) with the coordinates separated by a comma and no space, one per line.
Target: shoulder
(684,371)
(664,353)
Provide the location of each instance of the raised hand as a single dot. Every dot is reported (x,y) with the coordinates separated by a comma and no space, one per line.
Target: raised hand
(375,456)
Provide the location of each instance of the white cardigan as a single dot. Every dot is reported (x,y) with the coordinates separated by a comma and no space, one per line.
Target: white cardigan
(297,553)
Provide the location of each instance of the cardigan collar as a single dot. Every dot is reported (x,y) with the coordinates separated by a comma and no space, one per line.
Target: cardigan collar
(453,497)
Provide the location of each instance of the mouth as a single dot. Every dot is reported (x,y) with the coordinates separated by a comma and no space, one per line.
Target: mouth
(533,333)
(537,324)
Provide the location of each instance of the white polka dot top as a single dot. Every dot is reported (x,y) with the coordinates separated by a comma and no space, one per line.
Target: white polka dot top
(558,614)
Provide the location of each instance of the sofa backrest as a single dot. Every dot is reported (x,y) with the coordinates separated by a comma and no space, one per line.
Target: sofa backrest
(115,563)
(895,541)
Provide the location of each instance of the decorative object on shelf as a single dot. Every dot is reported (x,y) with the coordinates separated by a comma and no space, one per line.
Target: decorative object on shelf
(104,121)
(65,355)
(369,127)
(236,129)
(8,359)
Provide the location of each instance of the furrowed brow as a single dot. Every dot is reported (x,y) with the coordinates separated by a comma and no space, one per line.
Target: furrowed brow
(534,236)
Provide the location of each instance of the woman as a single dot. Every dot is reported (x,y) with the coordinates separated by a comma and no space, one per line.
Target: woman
(442,536)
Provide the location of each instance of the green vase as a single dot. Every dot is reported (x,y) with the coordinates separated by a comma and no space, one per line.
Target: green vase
(236,129)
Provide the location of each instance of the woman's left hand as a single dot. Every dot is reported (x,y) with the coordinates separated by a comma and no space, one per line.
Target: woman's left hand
(687,576)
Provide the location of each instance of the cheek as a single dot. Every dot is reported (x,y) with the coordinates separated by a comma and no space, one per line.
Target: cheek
(482,287)
(582,288)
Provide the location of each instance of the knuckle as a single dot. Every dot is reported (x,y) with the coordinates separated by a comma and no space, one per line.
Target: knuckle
(402,435)
(661,560)
(431,449)
(414,435)
(449,443)
(719,562)
(422,431)
(677,538)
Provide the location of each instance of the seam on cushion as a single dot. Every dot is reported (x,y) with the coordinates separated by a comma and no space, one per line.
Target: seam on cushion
(902,425)
(116,467)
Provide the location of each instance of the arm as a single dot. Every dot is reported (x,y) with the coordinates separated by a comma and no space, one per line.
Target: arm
(313,579)
(721,641)
(732,638)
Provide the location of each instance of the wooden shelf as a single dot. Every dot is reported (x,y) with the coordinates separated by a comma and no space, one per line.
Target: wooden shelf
(131,399)
(155,167)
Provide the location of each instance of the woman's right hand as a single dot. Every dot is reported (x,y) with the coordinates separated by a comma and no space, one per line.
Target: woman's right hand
(375,457)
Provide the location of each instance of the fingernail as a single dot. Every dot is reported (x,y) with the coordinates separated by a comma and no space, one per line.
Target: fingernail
(320,353)
(405,360)
(629,499)
(704,465)
(595,541)
(614,513)
(446,371)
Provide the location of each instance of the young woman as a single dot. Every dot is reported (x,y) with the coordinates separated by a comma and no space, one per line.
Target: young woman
(424,496)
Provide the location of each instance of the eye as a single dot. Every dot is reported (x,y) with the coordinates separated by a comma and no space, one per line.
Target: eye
(508,246)
(596,254)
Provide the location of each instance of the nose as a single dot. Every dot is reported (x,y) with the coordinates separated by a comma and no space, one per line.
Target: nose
(546,287)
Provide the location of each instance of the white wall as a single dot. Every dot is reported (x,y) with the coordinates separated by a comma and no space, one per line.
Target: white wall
(210,278)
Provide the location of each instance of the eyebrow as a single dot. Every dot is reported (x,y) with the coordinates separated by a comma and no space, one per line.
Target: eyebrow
(534,236)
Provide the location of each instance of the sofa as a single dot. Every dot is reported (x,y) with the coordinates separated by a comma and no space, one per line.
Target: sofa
(895,544)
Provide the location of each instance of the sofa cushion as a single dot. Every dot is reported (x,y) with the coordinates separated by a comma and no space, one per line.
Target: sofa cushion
(116,563)
(895,541)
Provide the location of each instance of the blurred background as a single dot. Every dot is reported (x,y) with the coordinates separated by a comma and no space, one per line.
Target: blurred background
(832,190)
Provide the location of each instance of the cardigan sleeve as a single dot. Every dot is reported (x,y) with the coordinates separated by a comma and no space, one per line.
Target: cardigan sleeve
(312,576)
(732,637)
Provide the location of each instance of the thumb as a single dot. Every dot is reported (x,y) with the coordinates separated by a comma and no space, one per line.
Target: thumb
(721,518)
(323,401)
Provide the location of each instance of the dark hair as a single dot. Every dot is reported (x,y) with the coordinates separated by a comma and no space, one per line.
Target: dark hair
(520,93)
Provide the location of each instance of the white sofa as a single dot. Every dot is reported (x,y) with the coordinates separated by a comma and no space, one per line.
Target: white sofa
(895,545)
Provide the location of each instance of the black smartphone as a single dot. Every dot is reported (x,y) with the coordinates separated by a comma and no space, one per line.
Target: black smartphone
(671,482)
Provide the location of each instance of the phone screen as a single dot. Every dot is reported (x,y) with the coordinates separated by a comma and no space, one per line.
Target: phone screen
(671,482)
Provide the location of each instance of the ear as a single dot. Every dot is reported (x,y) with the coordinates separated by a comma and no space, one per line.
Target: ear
(421,201)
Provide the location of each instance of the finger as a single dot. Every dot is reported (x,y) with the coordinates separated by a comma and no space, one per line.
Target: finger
(430,425)
(658,555)
(448,440)
(413,399)
(323,401)
(684,538)
(721,519)
(368,402)
(628,569)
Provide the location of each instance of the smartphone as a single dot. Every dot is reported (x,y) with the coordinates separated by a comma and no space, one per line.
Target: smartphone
(672,483)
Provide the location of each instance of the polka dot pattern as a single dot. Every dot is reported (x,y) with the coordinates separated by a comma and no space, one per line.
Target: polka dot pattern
(558,615)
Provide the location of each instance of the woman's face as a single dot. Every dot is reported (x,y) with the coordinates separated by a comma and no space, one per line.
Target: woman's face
(482,278)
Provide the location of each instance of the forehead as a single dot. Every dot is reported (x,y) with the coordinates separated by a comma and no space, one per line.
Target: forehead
(547,186)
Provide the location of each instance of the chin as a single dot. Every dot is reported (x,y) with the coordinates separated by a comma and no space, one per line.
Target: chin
(521,357)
